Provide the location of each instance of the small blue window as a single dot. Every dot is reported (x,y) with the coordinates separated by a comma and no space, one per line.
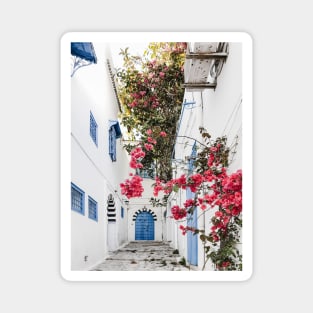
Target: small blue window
(92,209)
(93,129)
(146,173)
(112,144)
(78,199)
(114,133)
(122,212)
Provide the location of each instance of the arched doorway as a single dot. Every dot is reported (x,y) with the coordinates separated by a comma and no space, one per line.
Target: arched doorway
(144,226)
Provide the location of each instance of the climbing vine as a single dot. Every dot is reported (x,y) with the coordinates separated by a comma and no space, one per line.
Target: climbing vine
(214,189)
(150,89)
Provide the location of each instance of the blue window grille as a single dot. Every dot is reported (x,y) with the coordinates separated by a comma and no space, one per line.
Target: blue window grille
(92,209)
(146,173)
(122,212)
(78,199)
(93,129)
(114,133)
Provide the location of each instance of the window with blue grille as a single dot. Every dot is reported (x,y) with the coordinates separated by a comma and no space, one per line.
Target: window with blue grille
(93,129)
(114,133)
(78,199)
(122,212)
(92,209)
(146,173)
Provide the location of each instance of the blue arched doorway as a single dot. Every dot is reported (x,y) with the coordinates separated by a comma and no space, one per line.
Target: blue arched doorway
(144,226)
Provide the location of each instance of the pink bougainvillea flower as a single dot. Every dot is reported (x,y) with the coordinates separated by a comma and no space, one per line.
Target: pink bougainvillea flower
(132,187)
(157,187)
(218,214)
(142,93)
(215,237)
(163,134)
(148,146)
(213,228)
(137,153)
(189,203)
(203,207)
(195,181)
(133,104)
(151,140)
(149,132)
(178,213)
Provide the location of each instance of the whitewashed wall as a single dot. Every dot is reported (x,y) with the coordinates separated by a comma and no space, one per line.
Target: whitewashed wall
(92,168)
(136,204)
(219,112)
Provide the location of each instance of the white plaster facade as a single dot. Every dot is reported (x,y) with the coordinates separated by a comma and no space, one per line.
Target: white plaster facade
(143,203)
(219,112)
(92,169)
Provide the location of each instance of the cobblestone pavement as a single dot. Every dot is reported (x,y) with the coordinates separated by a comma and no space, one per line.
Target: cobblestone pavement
(143,256)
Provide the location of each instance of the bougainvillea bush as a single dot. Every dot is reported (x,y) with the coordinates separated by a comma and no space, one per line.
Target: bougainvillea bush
(151,92)
(214,189)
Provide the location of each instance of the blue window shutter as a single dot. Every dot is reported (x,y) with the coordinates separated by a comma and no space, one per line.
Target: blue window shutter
(114,133)
(84,50)
(122,212)
(77,199)
(112,143)
(93,129)
(92,209)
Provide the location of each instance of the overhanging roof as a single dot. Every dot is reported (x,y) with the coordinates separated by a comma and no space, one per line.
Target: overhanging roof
(84,50)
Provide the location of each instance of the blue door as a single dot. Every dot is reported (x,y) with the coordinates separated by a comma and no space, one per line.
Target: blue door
(192,220)
(144,226)
(192,239)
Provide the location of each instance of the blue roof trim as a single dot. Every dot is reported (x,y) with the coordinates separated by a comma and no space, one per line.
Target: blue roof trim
(117,127)
(84,50)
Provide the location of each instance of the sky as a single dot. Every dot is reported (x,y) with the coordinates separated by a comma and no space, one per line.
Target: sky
(134,49)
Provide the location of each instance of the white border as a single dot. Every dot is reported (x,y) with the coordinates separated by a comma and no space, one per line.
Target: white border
(65,174)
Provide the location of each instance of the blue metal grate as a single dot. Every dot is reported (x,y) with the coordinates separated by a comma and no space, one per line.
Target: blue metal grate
(92,209)
(78,203)
(93,129)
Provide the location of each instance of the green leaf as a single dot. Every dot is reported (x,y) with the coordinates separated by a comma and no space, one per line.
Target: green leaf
(203,238)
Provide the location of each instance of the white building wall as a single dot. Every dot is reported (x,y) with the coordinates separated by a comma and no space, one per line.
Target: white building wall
(92,168)
(136,204)
(219,112)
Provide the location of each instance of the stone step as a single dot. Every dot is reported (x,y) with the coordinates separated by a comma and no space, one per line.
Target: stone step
(143,256)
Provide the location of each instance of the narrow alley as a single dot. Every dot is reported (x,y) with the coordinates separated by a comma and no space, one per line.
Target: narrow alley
(143,256)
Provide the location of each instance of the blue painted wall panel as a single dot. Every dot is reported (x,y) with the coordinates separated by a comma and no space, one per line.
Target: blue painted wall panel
(192,219)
